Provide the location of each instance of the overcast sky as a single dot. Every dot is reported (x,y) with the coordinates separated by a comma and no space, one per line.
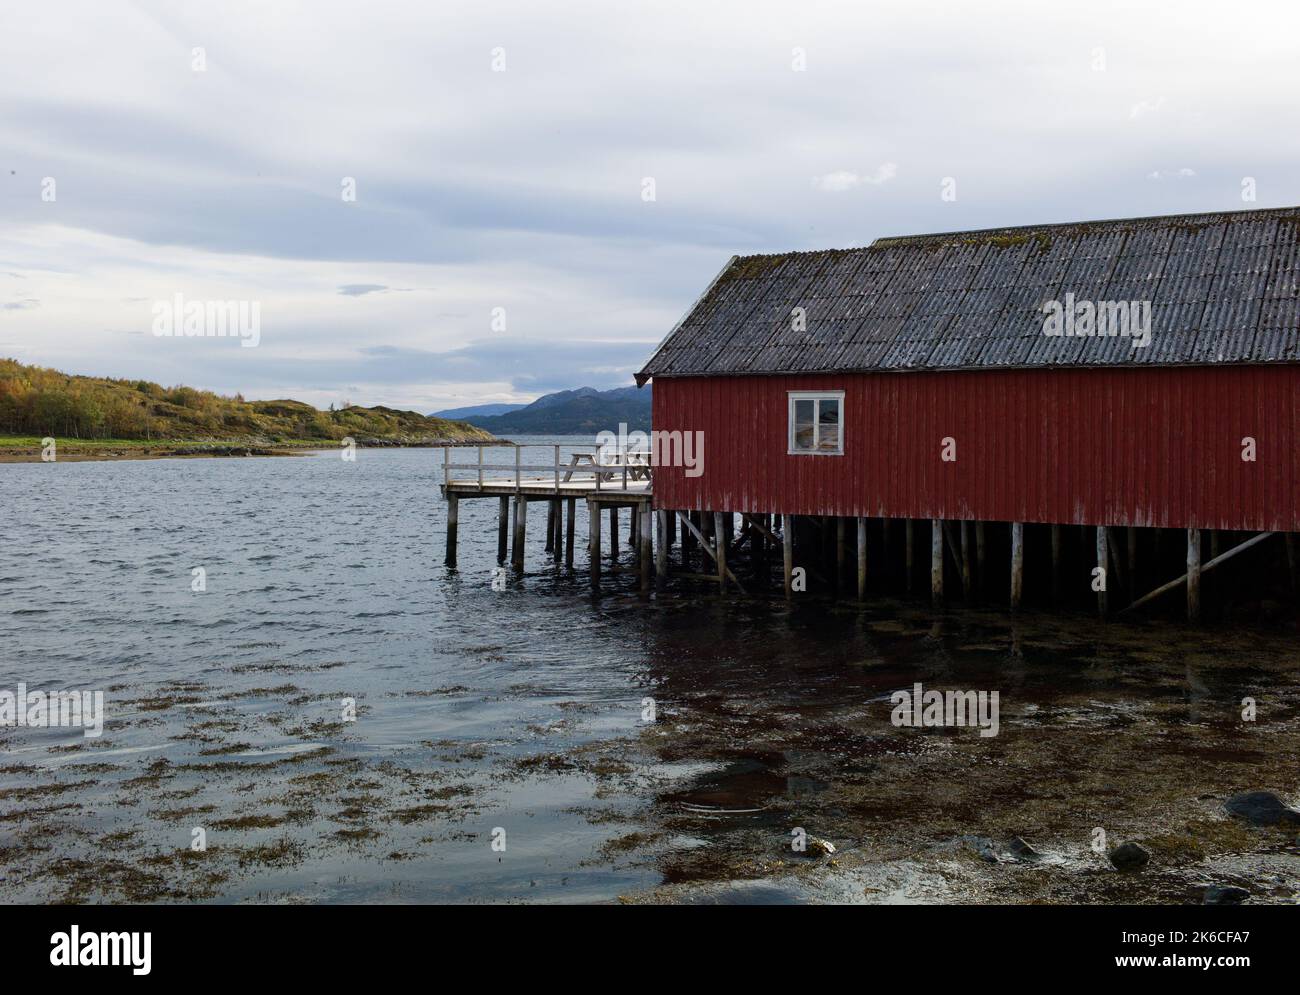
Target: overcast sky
(764,127)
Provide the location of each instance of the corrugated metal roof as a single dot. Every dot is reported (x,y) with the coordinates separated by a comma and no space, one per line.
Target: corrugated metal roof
(1222,288)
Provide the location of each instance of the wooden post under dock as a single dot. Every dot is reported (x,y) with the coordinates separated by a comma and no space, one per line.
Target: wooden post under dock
(593,540)
(936,562)
(661,548)
(613,533)
(1194,550)
(787,552)
(1017,563)
(720,544)
(1194,575)
(453,514)
(568,535)
(1103,564)
(551,515)
(559,528)
(503,530)
(521,519)
(641,514)
(862,558)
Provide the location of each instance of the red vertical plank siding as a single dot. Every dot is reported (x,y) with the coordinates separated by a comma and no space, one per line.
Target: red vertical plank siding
(1089,447)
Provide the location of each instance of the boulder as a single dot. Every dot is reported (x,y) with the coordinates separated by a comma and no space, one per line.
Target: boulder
(1130,857)
(1262,808)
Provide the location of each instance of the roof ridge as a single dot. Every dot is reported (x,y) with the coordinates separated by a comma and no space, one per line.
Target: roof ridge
(886,240)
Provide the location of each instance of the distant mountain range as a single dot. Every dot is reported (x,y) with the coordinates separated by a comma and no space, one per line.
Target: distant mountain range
(477,411)
(584,411)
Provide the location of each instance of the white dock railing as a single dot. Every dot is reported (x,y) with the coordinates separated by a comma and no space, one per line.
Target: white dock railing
(594,465)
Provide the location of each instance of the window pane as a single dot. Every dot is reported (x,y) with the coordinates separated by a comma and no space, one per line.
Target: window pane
(828,415)
(803,425)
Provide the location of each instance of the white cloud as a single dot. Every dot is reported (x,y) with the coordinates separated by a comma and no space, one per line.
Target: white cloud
(1144,107)
(842,180)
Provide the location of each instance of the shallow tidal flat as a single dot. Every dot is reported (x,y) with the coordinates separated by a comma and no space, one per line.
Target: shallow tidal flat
(519,716)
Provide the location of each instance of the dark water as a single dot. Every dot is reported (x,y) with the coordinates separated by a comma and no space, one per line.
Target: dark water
(519,709)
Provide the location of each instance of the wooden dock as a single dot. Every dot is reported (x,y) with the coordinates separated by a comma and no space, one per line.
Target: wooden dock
(823,545)
(607,482)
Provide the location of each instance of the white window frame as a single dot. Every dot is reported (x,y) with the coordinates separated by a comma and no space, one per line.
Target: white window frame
(815,396)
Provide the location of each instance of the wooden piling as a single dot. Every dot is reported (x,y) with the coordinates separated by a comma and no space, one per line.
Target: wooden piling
(645,533)
(1017,563)
(661,549)
(688,539)
(1103,564)
(453,515)
(570,516)
(787,552)
(936,562)
(720,544)
(613,533)
(551,516)
(1193,575)
(521,519)
(593,539)
(862,559)
(503,530)
(1182,578)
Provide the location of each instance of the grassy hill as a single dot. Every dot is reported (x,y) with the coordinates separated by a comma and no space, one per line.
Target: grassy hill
(36,402)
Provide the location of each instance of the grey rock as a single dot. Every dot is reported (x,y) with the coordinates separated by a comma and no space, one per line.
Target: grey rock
(1130,857)
(1224,894)
(1262,808)
(1022,850)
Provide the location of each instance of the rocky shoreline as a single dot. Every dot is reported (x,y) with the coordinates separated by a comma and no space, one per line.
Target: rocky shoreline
(187,449)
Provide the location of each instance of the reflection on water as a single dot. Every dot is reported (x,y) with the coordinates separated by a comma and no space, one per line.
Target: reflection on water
(522,711)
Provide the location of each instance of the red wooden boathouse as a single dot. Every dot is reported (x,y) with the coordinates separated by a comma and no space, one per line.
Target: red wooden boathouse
(914,380)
